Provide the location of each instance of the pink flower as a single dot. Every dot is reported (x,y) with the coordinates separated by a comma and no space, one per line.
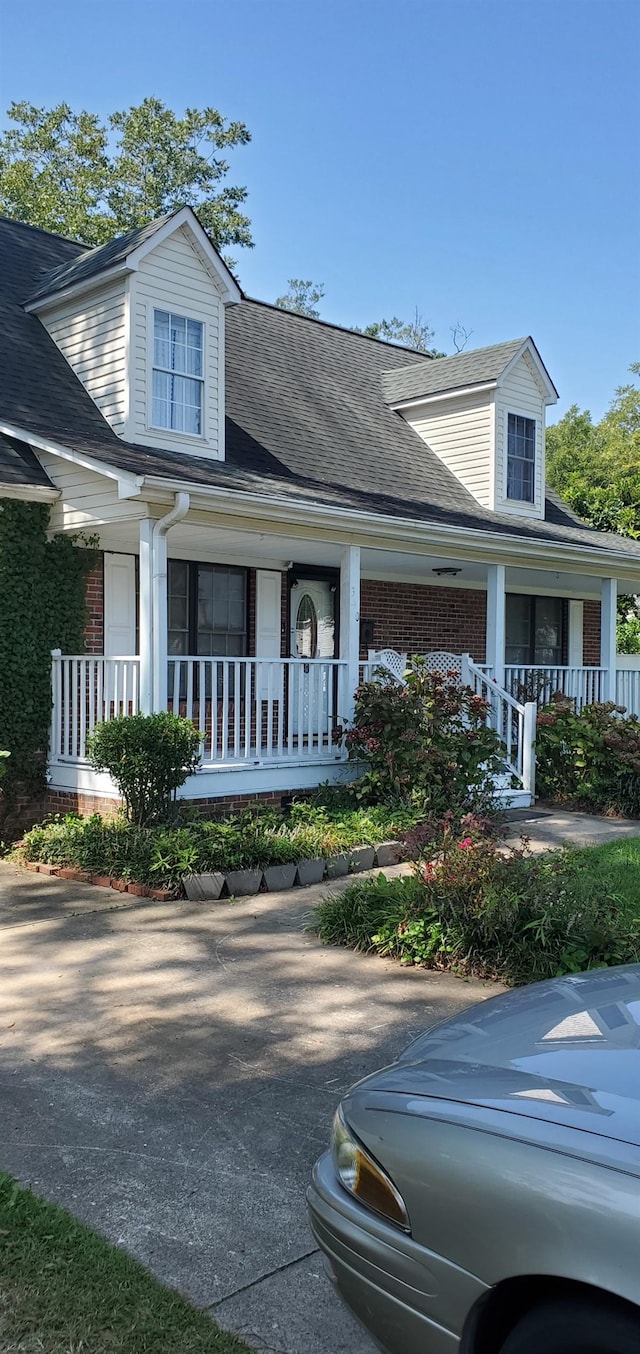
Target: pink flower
(465,843)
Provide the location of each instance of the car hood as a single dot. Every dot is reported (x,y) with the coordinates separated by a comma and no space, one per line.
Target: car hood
(566,1051)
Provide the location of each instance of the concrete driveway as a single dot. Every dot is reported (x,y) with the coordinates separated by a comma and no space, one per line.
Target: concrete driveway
(169,1073)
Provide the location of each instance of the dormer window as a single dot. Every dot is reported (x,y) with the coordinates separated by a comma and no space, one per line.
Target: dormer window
(178,373)
(521,458)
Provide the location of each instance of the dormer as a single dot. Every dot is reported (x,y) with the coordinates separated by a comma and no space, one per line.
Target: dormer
(141,322)
(483,414)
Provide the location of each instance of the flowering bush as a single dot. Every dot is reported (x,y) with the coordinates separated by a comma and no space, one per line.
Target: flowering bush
(591,759)
(484,910)
(425,741)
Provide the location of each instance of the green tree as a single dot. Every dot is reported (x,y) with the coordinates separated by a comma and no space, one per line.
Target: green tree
(303,297)
(596,469)
(414,333)
(73,174)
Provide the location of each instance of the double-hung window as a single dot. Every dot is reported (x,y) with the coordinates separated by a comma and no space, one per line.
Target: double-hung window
(521,458)
(178,373)
(207,609)
(535,632)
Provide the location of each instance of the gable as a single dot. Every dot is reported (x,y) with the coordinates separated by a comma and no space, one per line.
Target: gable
(174,278)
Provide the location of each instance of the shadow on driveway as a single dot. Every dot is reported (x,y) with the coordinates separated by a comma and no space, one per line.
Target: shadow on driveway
(168,1072)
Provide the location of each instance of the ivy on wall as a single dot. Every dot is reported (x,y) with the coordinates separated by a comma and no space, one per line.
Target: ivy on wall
(42,607)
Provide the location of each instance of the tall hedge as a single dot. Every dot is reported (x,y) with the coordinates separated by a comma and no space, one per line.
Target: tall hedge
(42,607)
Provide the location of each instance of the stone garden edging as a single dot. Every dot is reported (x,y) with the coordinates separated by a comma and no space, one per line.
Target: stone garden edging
(245,883)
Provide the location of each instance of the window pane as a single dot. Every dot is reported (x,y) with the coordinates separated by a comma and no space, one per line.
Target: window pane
(161,407)
(161,348)
(548,630)
(521,455)
(177,348)
(221,610)
(518,629)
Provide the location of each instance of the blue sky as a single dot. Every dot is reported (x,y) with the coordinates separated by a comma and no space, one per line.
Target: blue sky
(477,158)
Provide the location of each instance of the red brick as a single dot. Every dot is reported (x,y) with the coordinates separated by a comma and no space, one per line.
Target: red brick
(32,865)
(119,884)
(102,880)
(415,618)
(48,869)
(162,895)
(80,876)
(140,890)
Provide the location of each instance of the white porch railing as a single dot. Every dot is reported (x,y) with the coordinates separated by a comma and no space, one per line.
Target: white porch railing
(86,691)
(514,723)
(628,688)
(249,710)
(261,710)
(539,683)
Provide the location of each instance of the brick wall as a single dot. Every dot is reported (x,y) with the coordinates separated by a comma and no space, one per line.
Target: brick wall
(591,635)
(94,629)
(414,618)
(77,801)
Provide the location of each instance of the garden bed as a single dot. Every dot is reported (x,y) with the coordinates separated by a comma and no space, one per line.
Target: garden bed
(206,860)
(476,908)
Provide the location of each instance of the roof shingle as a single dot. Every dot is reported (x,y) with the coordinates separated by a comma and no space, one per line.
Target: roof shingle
(306,416)
(441,374)
(91,263)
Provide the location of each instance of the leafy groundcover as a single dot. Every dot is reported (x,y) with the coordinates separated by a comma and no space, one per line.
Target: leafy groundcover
(477,908)
(159,856)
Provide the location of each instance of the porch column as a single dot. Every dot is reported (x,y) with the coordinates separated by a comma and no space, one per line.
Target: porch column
(608,618)
(349,626)
(145,619)
(496,617)
(160,610)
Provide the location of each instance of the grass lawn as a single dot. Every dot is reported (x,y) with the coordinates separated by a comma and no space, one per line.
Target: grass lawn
(64,1290)
(616,867)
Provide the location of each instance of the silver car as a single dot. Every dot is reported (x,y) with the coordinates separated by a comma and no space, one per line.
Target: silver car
(482,1194)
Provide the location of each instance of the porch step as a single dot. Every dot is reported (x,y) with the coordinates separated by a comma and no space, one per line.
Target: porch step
(507,797)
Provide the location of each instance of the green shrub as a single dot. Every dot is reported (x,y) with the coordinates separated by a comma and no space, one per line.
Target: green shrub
(160,854)
(590,759)
(426,743)
(148,757)
(488,912)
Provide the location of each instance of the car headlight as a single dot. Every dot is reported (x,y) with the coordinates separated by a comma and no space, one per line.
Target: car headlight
(363,1177)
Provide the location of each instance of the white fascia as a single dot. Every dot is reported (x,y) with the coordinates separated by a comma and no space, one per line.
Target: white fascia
(226,283)
(400,405)
(529,347)
(466,542)
(89,284)
(30,493)
(129,485)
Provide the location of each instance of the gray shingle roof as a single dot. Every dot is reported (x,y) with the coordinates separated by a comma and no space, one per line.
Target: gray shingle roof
(91,263)
(20,466)
(441,374)
(306,417)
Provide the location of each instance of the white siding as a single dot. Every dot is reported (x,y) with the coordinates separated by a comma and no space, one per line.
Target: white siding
(87,499)
(522,393)
(173,277)
(91,333)
(460,431)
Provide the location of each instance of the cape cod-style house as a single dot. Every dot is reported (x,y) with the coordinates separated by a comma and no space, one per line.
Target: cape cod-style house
(278,501)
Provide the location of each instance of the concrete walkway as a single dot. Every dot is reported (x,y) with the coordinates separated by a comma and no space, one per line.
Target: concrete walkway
(548,829)
(168,1072)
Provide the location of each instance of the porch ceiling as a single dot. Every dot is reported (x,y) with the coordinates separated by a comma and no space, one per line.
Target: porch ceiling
(218,544)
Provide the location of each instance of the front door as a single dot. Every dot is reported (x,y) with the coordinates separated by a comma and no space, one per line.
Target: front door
(312,636)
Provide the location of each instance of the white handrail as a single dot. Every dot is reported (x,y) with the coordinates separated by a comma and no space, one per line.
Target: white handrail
(514,723)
